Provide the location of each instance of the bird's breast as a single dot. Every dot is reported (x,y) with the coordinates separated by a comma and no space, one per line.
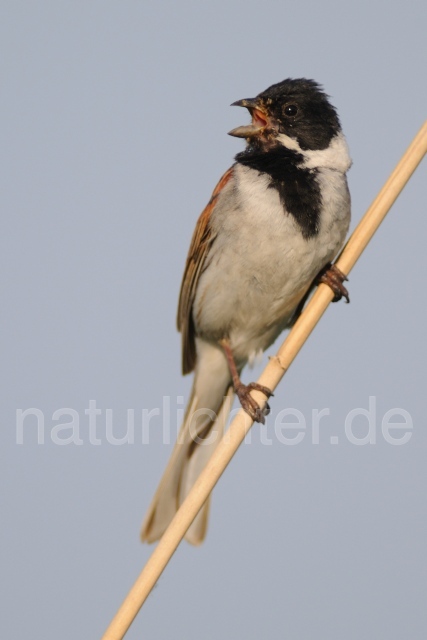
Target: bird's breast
(260,265)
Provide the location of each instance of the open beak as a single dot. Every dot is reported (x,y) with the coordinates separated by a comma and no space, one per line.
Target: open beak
(260,119)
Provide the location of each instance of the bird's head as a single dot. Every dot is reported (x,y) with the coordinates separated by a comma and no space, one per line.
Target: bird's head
(295,113)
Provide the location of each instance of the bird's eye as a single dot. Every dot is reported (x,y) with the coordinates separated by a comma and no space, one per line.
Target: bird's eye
(291,110)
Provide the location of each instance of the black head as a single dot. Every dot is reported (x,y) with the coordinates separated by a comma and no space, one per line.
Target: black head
(297,108)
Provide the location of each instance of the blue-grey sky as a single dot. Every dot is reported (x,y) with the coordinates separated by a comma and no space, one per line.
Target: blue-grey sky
(114,118)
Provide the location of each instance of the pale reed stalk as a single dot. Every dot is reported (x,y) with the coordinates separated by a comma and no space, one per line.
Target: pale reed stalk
(270,377)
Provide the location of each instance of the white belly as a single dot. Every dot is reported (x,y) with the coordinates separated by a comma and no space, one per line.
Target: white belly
(260,266)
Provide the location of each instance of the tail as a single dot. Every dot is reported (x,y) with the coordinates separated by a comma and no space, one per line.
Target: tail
(204,422)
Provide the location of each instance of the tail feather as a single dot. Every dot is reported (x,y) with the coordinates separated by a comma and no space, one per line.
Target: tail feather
(202,429)
(197,462)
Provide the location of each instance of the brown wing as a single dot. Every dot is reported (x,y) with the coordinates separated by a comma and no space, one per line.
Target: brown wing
(200,243)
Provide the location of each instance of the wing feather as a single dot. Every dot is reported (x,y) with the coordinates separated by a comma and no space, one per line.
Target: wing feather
(201,241)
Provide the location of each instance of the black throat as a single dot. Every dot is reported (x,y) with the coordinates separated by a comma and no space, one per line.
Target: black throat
(297,187)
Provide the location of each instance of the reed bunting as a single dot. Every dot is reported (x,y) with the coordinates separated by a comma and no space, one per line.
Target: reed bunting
(274,222)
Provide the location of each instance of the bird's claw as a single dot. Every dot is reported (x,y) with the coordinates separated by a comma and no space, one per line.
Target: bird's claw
(250,405)
(334,278)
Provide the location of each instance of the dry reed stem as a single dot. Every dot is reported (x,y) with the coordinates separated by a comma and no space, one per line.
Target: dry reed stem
(270,377)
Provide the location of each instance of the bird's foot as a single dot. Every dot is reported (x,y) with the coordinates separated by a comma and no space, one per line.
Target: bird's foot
(243,392)
(334,278)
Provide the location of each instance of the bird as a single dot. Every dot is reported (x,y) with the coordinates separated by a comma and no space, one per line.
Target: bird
(275,221)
